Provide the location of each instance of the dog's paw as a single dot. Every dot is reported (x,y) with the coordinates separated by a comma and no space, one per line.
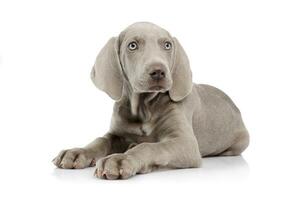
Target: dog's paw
(117,166)
(76,158)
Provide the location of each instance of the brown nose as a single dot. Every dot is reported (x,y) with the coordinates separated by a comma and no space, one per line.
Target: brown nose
(157,74)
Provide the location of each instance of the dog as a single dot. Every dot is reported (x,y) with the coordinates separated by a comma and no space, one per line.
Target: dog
(161,119)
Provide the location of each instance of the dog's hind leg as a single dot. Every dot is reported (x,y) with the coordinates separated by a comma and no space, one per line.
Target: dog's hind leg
(239,146)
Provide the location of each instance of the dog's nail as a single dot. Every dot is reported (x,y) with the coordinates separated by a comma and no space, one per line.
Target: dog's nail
(75,164)
(93,162)
(103,173)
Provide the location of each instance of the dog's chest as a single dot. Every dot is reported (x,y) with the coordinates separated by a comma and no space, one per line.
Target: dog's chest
(146,129)
(141,129)
(136,133)
(124,124)
(143,119)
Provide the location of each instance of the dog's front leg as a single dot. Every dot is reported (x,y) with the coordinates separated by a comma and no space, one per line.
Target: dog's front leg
(173,152)
(78,158)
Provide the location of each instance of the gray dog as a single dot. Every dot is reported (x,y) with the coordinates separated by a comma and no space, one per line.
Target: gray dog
(160,118)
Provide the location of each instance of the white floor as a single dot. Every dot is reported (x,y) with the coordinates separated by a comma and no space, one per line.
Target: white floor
(251,176)
(219,178)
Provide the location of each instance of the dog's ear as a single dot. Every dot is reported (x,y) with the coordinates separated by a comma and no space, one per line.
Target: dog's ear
(181,74)
(107,73)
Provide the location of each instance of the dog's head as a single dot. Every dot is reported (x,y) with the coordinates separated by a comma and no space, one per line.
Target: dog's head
(148,58)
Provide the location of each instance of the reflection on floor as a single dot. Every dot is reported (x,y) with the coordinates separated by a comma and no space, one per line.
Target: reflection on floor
(213,168)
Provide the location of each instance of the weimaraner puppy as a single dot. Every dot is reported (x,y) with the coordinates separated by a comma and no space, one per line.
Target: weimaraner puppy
(161,119)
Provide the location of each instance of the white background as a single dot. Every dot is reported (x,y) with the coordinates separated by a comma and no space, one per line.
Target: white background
(249,49)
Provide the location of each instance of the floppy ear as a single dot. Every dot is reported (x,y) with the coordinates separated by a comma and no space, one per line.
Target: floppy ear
(107,73)
(181,74)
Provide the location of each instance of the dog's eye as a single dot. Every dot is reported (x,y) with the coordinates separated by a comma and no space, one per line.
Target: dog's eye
(132,46)
(167,45)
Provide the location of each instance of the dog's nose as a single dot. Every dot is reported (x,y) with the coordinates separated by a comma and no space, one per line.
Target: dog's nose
(157,74)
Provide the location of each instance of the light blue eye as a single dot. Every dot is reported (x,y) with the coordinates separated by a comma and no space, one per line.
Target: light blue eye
(167,45)
(132,46)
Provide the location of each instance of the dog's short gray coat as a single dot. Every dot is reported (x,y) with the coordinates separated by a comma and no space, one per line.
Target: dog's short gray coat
(169,122)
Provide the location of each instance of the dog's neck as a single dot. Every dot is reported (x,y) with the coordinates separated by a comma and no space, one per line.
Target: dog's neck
(138,100)
(139,103)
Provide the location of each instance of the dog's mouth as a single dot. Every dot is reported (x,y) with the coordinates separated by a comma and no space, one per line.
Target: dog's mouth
(156,88)
(153,86)
(159,85)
